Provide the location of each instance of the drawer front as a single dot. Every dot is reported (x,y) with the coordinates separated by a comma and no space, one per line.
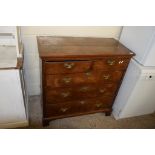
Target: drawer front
(110,76)
(59,95)
(58,110)
(119,63)
(69,80)
(107,89)
(67,67)
(102,103)
(75,107)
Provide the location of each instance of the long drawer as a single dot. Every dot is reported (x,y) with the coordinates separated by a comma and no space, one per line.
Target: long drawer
(94,77)
(79,106)
(59,95)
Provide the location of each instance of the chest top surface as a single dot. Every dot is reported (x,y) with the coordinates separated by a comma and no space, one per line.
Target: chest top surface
(72,47)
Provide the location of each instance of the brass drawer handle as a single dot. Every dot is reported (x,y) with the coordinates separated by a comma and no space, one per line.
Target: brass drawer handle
(69,65)
(111,62)
(67,80)
(84,89)
(88,73)
(106,77)
(65,94)
(98,105)
(82,102)
(121,61)
(102,90)
(63,109)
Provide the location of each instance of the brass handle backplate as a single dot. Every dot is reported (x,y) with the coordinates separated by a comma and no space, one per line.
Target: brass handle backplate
(69,65)
(88,73)
(111,62)
(106,77)
(84,89)
(65,94)
(82,102)
(98,105)
(67,80)
(121,61)
(102,90)
(64,109)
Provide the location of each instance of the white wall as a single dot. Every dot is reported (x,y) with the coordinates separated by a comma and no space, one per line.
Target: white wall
(29,34)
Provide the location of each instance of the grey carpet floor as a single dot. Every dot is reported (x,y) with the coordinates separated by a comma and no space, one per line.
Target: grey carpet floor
(93,121)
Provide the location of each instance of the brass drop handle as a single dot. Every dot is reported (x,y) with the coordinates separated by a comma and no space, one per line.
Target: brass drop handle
(65,94)
(64,109)
(88,73)
(67,80)
(111,62)
(84,89)
(102,90)
(121,61)
(69,65)
(98,105)
(82,102)
(106,77)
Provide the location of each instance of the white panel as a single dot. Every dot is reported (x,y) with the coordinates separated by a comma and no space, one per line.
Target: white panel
(7,29)
(8,56)
(7,40)
(136,95)
(142,100)
(12,108)
(149,60)
(139,40)
(10,36)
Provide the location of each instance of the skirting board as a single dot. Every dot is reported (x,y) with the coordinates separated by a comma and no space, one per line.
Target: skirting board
(14,125)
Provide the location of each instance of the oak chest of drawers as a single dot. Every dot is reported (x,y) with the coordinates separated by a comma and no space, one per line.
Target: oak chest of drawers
(80,75)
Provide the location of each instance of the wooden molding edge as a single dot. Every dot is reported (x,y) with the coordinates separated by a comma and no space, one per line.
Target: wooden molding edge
(15,125)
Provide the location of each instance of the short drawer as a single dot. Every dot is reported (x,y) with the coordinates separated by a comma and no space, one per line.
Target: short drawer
(77,107)
(59,95)
(67,67)
(70,80)
(119,63)
(110,76)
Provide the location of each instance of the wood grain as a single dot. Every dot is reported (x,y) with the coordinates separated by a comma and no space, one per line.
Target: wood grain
(80,75)
(67,67)
(74,47)
(79,106)
(59,95)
